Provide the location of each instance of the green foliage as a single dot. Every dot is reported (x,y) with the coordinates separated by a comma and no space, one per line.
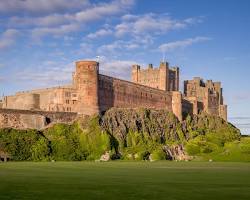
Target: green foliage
(19,143)
(245,145)
(158,154)
(40,150)
(93,141)
(200,144)
(65,142)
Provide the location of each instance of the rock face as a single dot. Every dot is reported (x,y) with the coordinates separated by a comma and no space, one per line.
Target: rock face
(176,152)
(138,129)
(105,157)
(119,122)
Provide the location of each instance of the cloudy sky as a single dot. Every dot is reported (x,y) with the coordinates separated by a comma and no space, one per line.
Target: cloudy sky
(41,39)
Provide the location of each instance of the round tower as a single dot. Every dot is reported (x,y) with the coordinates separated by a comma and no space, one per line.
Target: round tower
(86,83)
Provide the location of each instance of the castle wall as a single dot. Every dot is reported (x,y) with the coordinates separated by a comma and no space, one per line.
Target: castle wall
(22,101)
(177,104)
(223,112)
(124,94)
(50,99)
(26,119)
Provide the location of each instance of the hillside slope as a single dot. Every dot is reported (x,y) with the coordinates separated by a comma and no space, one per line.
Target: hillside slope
(130,134)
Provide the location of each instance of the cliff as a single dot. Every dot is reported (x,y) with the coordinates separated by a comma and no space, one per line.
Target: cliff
(129,134)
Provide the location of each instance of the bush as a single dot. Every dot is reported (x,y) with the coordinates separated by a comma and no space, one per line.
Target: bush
(158,154)
(19,143)
(192,149)
(245,145)
(93,141)
(40,150)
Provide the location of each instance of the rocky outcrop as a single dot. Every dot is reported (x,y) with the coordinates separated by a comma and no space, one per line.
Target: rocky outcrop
(119,122)
(176,152)
(145,128)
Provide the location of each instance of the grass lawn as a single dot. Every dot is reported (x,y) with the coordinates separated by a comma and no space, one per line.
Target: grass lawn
(125,180)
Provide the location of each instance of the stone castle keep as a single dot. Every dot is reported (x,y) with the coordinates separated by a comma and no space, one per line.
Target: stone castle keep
(92,93)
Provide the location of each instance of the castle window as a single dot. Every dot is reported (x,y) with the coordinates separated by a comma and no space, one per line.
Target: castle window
(67,94)
(67,101)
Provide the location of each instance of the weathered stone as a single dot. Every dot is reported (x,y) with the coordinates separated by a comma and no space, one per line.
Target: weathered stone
(105,157)
(23,119)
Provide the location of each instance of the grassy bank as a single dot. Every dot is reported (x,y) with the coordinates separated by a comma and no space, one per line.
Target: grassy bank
(124,180)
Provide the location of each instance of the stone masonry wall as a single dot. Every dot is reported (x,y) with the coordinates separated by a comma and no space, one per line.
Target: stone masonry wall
(25,119)
(114,92)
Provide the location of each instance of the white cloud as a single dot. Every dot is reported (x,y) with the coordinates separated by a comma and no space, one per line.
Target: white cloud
(8,38)
(86,49)
(40,6)
(116,68)
(100,33)
(63,23)
(37,33)
(103,10)
(151,23)
(47,74)
(51,73)
(181,43)
(114,47)
(44,21)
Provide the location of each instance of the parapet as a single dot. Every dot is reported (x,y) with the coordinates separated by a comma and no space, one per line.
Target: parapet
(164,64)
(87,65)
(136,67)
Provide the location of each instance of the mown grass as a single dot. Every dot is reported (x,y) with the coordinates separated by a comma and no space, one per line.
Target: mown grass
(124,180)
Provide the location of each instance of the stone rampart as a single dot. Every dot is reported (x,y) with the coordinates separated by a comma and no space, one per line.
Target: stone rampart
(26,119)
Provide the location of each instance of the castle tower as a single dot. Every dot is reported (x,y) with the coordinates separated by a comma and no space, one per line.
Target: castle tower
(86,83)
(177,104)
(135,73)
(164,76)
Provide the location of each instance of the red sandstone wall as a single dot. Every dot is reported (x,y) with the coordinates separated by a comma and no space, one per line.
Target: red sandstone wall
(119,93)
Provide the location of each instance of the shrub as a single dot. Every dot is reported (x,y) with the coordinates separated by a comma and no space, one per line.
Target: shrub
(158,154)
(40,150)
(93,141)
(245,145)
(18,143)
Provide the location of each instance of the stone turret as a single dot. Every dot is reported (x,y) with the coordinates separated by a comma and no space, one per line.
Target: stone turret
(164,75)
(135,73)
(86,83)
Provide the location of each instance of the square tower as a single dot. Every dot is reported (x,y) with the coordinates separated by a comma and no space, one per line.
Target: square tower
(163,78)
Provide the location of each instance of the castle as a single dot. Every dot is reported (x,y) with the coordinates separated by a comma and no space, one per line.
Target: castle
(92,93)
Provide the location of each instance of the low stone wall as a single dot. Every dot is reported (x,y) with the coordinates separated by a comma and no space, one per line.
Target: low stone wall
(25,119)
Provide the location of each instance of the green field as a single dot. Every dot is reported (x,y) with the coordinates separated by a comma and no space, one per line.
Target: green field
(124,180)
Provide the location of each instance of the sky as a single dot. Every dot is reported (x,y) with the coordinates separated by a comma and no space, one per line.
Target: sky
(41,39)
